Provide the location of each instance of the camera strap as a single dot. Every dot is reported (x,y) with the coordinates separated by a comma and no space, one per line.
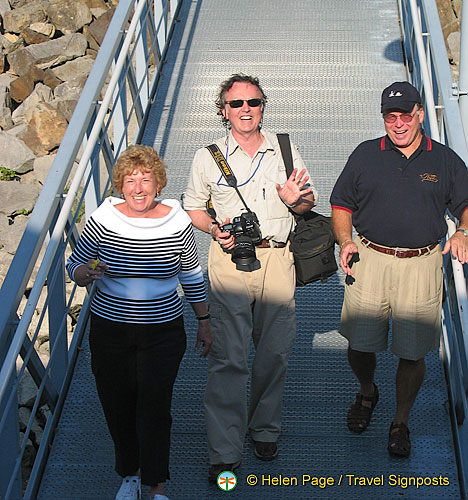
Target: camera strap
(225,169)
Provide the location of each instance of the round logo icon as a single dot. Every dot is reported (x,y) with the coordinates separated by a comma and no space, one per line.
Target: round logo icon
(227,481)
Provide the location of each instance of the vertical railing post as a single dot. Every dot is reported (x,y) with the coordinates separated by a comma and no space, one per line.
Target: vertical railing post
(92,194)
(120,110)
(9,444)
(160,16)
(463,78)
(141,55)
(56,311)
(429,96)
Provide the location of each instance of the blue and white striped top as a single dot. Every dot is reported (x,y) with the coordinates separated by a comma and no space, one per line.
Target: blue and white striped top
(147,258)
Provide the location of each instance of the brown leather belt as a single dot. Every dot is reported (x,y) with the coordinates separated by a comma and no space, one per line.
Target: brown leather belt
(271,244)
(402,254)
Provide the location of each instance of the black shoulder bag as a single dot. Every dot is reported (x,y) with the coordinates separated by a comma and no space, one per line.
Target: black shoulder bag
(312,240)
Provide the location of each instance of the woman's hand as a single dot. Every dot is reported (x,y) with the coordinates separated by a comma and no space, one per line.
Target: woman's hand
(91,271)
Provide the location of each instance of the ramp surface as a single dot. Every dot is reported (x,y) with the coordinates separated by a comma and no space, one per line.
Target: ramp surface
(323,66)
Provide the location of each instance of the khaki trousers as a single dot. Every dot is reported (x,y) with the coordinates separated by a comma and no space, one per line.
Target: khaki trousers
(257,305)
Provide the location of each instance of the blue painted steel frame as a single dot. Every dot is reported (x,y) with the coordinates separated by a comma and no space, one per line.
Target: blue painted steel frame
(132,55)
(428,70)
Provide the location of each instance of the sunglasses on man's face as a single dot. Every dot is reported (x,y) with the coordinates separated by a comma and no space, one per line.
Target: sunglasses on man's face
(404,117)
(238,103)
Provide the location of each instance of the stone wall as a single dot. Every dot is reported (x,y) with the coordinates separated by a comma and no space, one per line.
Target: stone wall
(450,17)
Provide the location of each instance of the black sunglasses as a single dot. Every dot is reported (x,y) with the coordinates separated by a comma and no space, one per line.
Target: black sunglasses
(238,103)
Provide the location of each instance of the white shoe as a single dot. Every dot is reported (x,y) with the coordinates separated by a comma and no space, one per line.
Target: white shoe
(130,489)
(159,497)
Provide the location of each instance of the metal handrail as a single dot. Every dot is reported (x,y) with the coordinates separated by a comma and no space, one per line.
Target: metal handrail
(129,65)
(428,69)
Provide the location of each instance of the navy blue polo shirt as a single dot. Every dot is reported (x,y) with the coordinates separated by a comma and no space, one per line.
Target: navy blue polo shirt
(397,201)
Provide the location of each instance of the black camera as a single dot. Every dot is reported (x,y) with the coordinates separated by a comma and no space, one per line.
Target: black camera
(247,234)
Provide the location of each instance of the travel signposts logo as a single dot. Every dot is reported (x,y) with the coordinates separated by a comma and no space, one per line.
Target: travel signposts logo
(227,481)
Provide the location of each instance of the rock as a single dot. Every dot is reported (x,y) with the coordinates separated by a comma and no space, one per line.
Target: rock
(45,130)
(72,69)
(17,201)
(448,20)
(42,166)
(18,19)
(30,36)
(72,89)
(5,262)
(12,237)
(24,415)
(46,29)
(17,130)
(24,85)
(21,88)
(15,155)
(45,348)
(4,7)
(68,16)
(457,7)
(4,225)
(97,29)
(27,391)
(5,118)
(11,42)
(17,3)
(6,79)
(50,79)
(20,61)
(453,42)
(6,121)
(97,7)
(48,54)
(64,107)
(24,112)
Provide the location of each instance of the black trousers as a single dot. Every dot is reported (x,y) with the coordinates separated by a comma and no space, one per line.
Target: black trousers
(135,367)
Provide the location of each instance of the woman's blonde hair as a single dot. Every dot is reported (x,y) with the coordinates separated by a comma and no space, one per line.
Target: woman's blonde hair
(142,159)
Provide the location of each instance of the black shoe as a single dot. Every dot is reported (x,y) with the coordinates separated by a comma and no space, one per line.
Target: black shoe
(359,415)
(215,470)
(265,451)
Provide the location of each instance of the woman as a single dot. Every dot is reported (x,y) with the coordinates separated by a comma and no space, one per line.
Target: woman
(139,249)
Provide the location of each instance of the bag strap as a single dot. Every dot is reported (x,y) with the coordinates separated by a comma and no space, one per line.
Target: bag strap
(285,146)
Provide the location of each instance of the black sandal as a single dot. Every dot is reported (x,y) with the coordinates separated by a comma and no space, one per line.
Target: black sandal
(399,443)
(359,416)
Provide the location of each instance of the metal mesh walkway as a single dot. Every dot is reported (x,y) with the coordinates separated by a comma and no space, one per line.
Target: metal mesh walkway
(323,65)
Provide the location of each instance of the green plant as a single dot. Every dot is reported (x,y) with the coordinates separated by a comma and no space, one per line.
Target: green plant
(7,175)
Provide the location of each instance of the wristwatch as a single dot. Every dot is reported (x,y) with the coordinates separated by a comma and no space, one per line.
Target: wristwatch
(464,231)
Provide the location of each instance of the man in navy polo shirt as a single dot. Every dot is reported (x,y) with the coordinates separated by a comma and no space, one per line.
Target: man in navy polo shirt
(394,191)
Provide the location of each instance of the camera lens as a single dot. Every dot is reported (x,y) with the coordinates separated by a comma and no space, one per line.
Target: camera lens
(244,256)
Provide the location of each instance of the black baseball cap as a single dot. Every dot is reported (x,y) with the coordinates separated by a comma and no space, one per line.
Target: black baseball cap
(399,96)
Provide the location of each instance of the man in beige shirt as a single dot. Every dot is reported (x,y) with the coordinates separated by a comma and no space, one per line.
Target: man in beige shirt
(247,304)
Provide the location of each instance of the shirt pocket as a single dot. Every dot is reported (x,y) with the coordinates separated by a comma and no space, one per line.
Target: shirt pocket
(274,207)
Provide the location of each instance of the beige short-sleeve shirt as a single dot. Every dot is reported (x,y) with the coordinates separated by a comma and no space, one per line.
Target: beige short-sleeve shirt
(256,179)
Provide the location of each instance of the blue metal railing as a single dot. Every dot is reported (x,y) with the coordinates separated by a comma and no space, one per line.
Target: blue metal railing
(127,66)
(428,69)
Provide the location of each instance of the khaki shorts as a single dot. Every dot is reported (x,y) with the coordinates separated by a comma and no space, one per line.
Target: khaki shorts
(409,290)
